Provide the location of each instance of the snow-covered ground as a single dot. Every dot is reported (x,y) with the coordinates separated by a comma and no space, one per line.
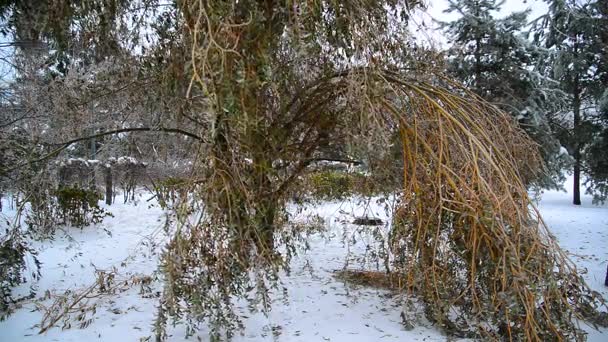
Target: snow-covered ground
(583,232)
(320,307)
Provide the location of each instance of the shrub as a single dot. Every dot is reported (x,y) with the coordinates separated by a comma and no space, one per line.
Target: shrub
(330,185)
(79,207)
(42,216)
(337,185)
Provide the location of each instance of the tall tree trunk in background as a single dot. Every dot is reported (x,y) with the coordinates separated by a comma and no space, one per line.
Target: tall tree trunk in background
(108,179)
(93,153)
(477,54)
(576,108)
(576,199)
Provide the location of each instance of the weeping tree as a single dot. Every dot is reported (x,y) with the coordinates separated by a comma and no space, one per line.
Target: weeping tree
(269,87)
(278,81)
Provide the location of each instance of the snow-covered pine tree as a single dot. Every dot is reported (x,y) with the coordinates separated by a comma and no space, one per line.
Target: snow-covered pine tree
(597,154)
(493,58)
(575,32)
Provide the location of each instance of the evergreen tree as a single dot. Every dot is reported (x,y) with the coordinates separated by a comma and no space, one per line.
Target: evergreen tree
(597,160)
(576,34)
(493,58)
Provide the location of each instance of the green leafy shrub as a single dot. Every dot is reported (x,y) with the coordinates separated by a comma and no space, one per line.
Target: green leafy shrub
(79,207)
(330,185)
(42,216)
(336,185)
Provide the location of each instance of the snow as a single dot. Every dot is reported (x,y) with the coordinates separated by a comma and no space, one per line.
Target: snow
(126,160)
(581,230)
(77,161)
(319,307)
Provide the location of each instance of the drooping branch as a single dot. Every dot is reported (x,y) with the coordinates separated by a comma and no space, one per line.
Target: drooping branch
(133,129)
(64,145)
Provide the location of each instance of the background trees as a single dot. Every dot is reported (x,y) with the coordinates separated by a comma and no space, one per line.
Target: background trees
(553,88)
(494,58)
(575,34)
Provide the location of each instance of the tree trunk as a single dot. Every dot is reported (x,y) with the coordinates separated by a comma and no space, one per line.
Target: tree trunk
(266,227)
(92,177)
(576,109)
(267,204)
(576,199)
(108,177)
(606,280)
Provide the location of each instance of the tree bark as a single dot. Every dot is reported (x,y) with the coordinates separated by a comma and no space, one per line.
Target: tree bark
(266,226)
(576,198)
(93,156)
(576,109)
(108,177)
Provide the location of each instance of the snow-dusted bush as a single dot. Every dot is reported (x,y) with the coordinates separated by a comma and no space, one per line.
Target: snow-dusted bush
(129,173)
(13,253)
(79,207)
